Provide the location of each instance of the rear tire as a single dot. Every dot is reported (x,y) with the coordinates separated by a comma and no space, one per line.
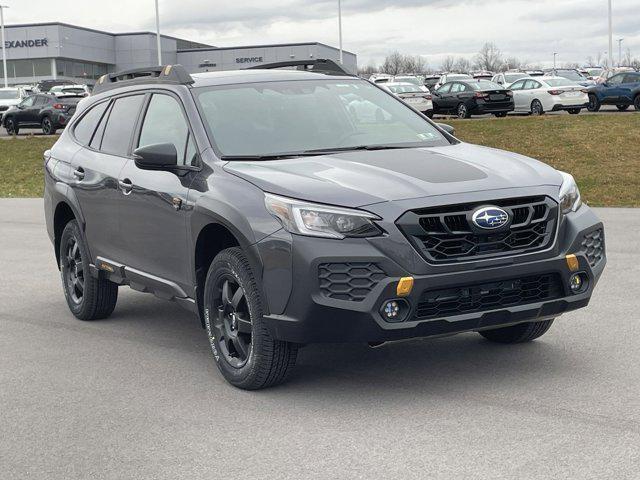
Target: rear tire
(462,111)
(594,103)
(246,354)
(636,102)
(89,298)
(47,126)
(11,126)
(537,108)
(622,108)
(520,333)
(573,111)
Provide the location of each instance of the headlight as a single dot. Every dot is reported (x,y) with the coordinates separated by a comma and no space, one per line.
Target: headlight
(321,220)
(570,200)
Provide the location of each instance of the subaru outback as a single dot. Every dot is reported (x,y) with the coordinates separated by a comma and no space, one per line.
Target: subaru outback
(272,206)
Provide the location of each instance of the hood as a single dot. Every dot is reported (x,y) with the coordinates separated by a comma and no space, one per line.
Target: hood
(354,179)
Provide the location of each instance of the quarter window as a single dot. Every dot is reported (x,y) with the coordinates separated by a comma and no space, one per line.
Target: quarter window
(84,129)
(164,122)
(120,125)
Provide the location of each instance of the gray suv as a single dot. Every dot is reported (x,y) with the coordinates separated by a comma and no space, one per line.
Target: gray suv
(293,206)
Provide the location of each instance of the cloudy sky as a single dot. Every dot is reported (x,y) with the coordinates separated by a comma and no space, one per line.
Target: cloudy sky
(529,29)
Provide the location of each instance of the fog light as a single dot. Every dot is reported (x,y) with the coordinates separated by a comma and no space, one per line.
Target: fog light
(394,310)
(577,282)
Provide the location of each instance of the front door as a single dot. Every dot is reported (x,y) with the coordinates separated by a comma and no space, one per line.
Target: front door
(153,214)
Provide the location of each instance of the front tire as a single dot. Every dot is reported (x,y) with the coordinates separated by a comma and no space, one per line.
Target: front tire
(520,333)
(594,103)
(537,108)
(636,102)
(463,111)
(47,126)
(246,354)
(88,298)
(11,126)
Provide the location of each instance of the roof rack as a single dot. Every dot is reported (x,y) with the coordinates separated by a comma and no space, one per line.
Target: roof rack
(172,74)
(320,65)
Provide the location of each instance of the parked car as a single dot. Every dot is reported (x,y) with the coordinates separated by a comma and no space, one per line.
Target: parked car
(73,90)
(413,95)
(10,97)
(256,201)
(607,73)
(621,90)
(449,77)
(548,94)
(413,79)
(430,81)
(505,79)
(569,74)
(44,86)
(381,78)
(41,110)
(482,75)
(475,97)
(534,73)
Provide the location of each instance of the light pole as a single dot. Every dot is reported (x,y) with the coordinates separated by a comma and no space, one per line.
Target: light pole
(555,54)
(610,37)
(620,51)
(340,27)
(4,48)
(158,34)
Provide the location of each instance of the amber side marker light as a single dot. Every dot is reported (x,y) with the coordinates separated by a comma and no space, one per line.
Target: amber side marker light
(572,262)
(405,285)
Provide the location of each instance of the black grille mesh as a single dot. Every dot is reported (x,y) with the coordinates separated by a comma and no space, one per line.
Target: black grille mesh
(489,296)
(349,281)
(593,246)
(445,234)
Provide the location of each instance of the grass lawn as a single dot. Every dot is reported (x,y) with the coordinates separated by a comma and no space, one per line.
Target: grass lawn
(601,151)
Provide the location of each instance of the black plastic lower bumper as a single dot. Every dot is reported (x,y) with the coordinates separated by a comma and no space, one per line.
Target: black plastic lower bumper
(559,107)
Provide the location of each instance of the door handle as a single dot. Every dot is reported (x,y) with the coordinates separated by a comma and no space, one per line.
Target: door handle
(78,173)
(126,186)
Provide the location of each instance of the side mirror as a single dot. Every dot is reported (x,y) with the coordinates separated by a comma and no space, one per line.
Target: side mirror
(447,128)
(157,156)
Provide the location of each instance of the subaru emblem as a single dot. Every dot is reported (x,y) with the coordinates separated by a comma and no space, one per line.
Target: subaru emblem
(490,218)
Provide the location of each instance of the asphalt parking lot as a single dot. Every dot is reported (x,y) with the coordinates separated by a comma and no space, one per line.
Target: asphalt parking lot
(138,396)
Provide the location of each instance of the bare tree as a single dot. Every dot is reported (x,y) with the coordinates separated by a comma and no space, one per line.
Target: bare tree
(489,57)
(514,63)
(448,63)
(462,65)
(627,60)
(368,70)
(393,63)
(414,64)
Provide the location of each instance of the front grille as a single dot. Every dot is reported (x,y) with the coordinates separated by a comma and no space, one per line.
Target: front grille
(446,234)
(593,246)
(349,281)
(489,296)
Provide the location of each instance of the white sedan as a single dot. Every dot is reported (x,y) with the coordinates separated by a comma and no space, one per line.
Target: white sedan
(412,95)
(548,94)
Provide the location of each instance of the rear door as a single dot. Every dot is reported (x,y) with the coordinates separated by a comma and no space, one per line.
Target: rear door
(629,84)
(96,168)
(153,216)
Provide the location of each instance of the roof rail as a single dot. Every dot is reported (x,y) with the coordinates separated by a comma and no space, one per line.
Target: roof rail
(172,74)
(320,65)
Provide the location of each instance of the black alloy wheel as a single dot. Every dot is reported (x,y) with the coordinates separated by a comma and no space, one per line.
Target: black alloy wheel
(11,127)
(232,324)
(73,270)
(463,112)
(636,102)
(594,103)
(47,126)
(536,108)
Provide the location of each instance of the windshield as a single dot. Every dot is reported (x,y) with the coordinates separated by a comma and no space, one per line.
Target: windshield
(404,89)
(512,77)
(276,118)
(559,82)
(9,94)
(485,85)
(570,74)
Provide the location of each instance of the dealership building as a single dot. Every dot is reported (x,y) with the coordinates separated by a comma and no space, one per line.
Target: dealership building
(56,51)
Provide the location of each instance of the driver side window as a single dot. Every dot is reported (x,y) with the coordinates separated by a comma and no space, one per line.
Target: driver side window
(445,88)
(28,102)
(615,80)
(164,122)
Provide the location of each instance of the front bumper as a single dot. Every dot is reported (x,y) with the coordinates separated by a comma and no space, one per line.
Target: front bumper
(309,315)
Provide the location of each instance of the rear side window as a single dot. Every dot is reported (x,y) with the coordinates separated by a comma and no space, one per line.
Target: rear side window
(631,78)
(86,126)
(120,125)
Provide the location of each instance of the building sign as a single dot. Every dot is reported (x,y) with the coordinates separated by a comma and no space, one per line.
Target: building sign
(249,60)
(38,42)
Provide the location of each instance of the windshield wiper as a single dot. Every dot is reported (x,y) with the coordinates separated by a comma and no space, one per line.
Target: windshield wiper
(311,153)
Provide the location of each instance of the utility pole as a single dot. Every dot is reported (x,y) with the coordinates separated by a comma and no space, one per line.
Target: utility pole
(340,28)
(158,34)
(4,48)
(555,54)
(620,51)
(610,37)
